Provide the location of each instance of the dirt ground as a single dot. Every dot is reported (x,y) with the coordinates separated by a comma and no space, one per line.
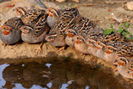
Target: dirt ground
(103,12)
(100,11)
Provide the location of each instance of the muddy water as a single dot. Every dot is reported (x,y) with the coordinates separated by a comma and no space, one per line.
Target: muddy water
(55,74)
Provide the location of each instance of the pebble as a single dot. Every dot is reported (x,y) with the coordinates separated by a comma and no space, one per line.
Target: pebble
(129,5)
(60,0)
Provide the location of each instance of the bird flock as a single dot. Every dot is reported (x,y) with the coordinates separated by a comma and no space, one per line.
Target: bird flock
(61,27)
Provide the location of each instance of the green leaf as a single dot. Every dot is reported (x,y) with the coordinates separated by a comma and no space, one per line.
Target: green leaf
(126,25)
(126,31)
(125,34)
(123,31)
(109,31)
(120,30)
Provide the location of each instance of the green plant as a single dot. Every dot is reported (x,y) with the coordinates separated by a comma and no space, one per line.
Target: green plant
(124,32)
(125,25)
(109,30)
(130,38)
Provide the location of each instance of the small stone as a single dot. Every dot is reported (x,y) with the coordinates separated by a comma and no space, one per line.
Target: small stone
(130,5)
(131,21)
(60,0)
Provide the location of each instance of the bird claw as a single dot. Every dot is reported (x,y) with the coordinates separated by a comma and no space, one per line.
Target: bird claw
(38,50)
(4,45)
(61,49)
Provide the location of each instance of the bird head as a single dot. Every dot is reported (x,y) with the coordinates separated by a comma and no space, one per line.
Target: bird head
(79,40)
(70,32)
(50,38)
(52,12)
(20,11)
(26,29)
(6,29)
(121,61)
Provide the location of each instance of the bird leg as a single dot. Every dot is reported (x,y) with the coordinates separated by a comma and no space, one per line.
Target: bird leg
(39,49)
(61,49)
(4,45)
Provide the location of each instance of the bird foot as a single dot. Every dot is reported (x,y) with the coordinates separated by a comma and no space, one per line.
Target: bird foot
(61,49)
(38,50)
(4,45)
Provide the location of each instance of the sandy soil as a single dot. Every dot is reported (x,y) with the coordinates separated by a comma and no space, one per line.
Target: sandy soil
(97,10)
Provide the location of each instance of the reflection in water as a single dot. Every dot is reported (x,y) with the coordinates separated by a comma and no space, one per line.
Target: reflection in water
(49,84)
(2,81)
(55,75)
(48,65)
(66,84)
(18,86)
(87,87)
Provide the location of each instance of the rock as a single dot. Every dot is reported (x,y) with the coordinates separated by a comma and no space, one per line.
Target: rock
(60,0)
(130,5)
